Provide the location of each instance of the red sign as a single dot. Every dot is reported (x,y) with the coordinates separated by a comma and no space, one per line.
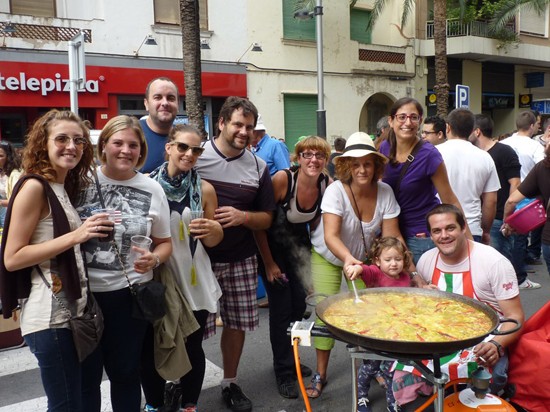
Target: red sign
(47,85)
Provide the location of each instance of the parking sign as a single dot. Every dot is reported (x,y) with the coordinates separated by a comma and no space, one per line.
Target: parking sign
(462,96)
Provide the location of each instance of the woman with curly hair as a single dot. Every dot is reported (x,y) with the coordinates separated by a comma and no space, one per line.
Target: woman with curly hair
(43,252)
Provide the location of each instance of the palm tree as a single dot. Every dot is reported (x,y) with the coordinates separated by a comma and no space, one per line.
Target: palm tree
(508,9)
(192,73)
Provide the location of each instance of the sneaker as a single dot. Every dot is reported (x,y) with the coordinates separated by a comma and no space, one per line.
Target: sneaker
(235,399)
(528,284)
(394,408)
(172,397)
(363,405)
(149,408)
(533,261)
(189,408)
(287,387)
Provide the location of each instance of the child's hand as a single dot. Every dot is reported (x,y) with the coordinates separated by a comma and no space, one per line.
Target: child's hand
(353,272)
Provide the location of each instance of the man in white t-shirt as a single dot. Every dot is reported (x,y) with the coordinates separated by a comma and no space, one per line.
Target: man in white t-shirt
(473,269)
(472,174)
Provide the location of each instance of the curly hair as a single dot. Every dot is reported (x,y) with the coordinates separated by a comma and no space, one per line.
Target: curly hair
(311,143)
(116,124)
(389,242)
(343,168)
(37,160)
(13,160)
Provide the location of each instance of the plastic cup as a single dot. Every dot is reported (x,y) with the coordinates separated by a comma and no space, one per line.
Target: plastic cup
(112,216)
(196,214)
(142,242)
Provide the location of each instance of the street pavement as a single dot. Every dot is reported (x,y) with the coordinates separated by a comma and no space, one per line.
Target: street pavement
(21,389)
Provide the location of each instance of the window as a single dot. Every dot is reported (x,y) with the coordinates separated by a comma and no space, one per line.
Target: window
(359,19)
(41,8)
(296,29)
(530,22)
(168,12)
(300,117)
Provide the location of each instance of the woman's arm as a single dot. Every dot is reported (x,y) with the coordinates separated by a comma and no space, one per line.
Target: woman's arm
(28,208)
(208,230)
(440,180)
(160,254)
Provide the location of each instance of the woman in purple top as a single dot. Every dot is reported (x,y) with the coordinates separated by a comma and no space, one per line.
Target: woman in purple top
(425,177)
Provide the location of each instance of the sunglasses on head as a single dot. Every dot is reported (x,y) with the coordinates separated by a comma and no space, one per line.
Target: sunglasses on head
(184,147)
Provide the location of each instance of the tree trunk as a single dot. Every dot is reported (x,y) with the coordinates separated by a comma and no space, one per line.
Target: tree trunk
(190,34)
(442,86)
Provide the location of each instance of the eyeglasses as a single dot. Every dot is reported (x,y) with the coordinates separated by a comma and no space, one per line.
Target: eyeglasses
(425,132)
(402,117)
(63,140)
(309,155)
(184,147)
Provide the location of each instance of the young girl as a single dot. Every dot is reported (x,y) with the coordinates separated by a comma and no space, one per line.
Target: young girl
(390,257)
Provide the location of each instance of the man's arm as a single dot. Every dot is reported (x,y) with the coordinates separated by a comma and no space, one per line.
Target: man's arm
(488,212)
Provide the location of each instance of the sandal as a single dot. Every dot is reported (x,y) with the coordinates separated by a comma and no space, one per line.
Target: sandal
(316,387)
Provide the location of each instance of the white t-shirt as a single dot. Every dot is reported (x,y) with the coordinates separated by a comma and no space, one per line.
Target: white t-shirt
(144,211)
(471,172)
(337,202)
(493,276)
(529,152)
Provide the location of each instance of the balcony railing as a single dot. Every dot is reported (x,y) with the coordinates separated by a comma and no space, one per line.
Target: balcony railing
(455,28)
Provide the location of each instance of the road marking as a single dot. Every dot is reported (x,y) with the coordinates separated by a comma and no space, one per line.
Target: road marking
(21,360)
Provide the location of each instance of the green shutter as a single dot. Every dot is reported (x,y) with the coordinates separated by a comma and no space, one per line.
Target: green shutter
(300,117)
(358,26)
(296,29)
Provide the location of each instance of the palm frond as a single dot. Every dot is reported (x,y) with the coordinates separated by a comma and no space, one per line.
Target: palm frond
(304,5)
(408,10)
(377,9)
(508,10)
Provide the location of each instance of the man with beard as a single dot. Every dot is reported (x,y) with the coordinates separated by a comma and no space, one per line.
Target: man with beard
(246,203)
(162,103)
(472,269)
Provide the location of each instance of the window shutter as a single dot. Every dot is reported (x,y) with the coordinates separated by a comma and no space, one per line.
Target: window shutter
(43,8)
(296,29)
(358,26)
(300,117)
(533,23)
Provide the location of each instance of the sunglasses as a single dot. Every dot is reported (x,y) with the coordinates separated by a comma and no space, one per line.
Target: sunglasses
(184,147)
(63,140)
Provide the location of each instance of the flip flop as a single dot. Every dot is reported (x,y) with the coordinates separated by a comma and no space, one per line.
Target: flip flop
(316,386)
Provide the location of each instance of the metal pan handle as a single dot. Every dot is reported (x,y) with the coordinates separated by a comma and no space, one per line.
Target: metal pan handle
(315,298)
(507,332)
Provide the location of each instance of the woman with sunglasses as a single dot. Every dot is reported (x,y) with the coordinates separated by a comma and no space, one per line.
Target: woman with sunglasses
(423,179)
(285,250)
(43,251)
(143,209)
(10,162)
(188,195)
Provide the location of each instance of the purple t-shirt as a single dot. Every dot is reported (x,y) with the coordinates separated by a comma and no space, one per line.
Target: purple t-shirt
(417,194)
(375,278)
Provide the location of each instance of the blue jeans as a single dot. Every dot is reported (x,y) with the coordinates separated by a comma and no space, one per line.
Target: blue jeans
(501,243)
(500,375)
(59,368)
(419,245)
(546,255)
(119,352)
(519,251)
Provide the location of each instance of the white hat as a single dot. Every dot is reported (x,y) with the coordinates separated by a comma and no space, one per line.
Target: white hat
(360,144)
(260,123)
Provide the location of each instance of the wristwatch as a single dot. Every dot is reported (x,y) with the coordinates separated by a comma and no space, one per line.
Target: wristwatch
(499,347)
(413,274)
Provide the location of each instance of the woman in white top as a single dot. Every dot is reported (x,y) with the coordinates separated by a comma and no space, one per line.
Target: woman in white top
(188,193)
(10,162)
(356,209)
(58,149)
(143,211)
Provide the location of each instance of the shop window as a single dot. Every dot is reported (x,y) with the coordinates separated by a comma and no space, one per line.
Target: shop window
(359,19)
(300,116)
(296,29)
(168,12)
(530,22)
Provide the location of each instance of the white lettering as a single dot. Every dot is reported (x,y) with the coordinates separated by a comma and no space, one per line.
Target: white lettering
(44,85)
(12,83)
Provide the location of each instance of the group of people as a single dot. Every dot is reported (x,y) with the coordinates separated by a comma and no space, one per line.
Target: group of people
(297,227)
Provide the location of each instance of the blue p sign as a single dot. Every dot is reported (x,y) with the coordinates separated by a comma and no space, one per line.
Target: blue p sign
(462,96)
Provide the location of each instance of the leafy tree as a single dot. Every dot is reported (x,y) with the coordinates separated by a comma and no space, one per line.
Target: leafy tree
(192,72)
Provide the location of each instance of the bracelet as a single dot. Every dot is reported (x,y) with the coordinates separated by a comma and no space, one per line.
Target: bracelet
(157,263)
(499,347)
(413,274)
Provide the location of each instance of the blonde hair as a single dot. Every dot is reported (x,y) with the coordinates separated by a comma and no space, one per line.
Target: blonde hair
(343,167)
(116,124)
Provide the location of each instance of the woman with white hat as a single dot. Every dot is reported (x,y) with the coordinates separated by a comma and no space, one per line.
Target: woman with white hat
(356,209)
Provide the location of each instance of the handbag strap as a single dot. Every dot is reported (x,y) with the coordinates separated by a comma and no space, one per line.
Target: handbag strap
(360,222)
(59,301)
(113,243)
(405,167)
